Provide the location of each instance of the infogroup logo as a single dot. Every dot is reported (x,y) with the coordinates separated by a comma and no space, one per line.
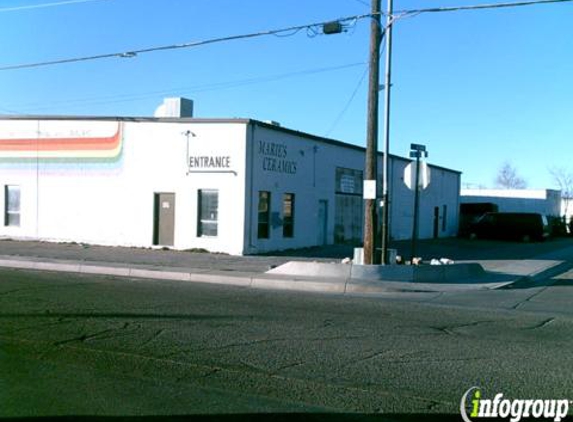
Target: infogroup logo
(474,406)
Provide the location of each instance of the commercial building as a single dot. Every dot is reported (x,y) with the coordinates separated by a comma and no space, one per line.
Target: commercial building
(238,186)
(543,201)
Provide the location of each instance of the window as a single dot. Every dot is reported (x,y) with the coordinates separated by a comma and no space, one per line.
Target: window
(264,215)
(288,215)
(208,213)
(12,205)
(348,181)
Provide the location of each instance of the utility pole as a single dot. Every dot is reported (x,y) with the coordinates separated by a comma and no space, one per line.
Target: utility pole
(386,172)
(370,166)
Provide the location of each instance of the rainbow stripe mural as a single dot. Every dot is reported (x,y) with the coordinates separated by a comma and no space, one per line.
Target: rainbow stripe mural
(64,151)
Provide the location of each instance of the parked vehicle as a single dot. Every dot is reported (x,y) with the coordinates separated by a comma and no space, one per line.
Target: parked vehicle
(512,226)
(471,212)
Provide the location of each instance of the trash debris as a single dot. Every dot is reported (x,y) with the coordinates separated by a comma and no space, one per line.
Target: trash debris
(417,261)
(399,260)
(346,261)
(441,261)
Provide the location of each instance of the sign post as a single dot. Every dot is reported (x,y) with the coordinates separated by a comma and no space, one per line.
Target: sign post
(416,151)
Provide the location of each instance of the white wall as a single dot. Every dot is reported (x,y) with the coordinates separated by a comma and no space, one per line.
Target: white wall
(567,208)
(316,163)
(313,180)
(443,190)
(103,193)
(544,201)
(111,202)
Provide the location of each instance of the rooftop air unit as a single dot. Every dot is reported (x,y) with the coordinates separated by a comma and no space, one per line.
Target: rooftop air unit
(175,107)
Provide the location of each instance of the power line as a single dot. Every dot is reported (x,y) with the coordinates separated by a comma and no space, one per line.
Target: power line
(351,98)
(347,105)
(292,30)
(359,84)
(8,111)
(190,89)
(479,6)
(128,54)
(43,5)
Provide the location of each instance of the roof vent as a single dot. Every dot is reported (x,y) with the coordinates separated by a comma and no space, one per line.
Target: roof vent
(272,122)
(175,107)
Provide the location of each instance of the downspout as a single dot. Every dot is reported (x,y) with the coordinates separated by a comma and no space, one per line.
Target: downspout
(37,180)
(458,201)
(250,193)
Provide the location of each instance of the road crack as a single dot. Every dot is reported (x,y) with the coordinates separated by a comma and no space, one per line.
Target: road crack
(153,337)
(370,356)
(542,324)
(99,335)
(60,321)
(451,329)
(288,366)
(39,288)
(523,302)
(82,338)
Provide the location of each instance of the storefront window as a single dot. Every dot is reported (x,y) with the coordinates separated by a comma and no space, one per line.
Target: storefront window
(208,204)
(264,215)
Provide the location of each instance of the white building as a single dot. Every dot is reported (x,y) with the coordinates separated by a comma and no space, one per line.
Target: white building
(238,186)
(543,201)
(567,208)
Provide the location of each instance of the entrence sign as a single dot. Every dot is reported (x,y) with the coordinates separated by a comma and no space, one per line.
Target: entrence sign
(209,162)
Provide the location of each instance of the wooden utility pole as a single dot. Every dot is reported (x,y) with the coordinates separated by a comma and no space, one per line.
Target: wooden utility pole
(370,167)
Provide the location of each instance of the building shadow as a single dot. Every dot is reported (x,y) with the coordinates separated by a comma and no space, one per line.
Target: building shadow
(457,249)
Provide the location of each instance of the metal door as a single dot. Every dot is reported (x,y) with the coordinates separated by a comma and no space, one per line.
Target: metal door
(164,219)
(322,233)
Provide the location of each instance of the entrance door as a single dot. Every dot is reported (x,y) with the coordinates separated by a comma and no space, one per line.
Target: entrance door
(436,222)
(322,233)
(164,219)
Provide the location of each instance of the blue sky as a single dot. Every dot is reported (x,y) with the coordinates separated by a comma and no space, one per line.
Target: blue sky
(477,87)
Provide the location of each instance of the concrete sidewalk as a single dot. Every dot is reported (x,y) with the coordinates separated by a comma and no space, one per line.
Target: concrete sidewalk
(248,271)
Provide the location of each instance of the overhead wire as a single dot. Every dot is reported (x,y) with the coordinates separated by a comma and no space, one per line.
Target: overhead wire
(294,32)
(44,5)
(348,103)
(479,6)
(297,28)
(81,102)
(415,12)
(8,111)
(133,53)
(358,85)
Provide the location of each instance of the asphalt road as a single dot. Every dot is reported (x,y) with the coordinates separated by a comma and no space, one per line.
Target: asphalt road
(79,345)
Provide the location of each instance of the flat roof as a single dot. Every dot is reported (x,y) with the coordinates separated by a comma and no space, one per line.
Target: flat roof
(509,193)
(247,121)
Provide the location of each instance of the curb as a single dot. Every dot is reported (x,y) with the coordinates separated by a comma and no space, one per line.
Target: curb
(334,285)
